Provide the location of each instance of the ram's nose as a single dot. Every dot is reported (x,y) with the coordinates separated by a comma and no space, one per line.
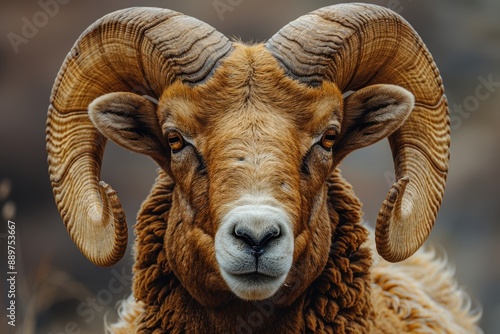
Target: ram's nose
(257,229)
(254,249)
(257,239)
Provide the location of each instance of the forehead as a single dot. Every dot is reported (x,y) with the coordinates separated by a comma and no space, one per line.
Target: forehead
(250,87)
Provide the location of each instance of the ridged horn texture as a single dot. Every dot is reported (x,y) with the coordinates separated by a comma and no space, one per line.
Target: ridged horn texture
(355,45)
(140,50)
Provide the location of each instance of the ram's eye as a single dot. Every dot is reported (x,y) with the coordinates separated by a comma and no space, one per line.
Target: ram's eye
(328,138)
(175,141)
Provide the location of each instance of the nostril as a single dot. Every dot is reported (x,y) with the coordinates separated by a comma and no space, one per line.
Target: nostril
(271,234)
(245,236)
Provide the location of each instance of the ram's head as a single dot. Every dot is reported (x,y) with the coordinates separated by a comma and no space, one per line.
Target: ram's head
(249,135)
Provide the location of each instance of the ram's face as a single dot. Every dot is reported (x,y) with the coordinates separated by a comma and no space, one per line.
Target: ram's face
(250,151)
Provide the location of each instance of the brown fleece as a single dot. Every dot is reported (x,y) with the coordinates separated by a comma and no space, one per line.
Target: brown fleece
(337,301)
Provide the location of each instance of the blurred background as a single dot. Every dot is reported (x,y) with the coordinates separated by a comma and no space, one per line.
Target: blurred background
(59,291)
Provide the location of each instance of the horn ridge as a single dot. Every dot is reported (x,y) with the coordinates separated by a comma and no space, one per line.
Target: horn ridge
(142,50)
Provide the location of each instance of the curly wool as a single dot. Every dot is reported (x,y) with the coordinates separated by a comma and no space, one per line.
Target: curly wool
(349,296)
(339,300)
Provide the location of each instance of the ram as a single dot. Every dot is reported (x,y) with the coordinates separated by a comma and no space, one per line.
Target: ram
(250,226)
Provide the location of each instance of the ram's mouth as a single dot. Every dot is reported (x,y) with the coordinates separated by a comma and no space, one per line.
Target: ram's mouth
(253,285)
(254,277)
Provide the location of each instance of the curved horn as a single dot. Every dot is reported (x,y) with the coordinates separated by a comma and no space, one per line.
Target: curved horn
(356,45)
(136,50)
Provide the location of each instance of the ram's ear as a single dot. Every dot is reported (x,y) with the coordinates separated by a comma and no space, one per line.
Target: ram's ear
(130,120)
(371,114)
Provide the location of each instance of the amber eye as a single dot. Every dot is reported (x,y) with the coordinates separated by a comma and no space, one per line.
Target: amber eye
(175,141)
(328,138)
